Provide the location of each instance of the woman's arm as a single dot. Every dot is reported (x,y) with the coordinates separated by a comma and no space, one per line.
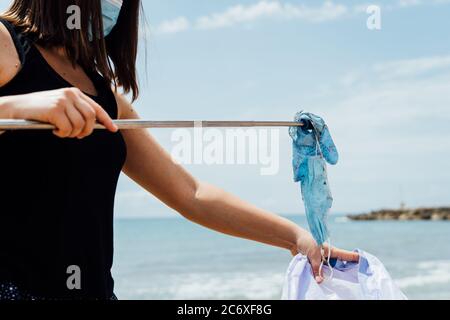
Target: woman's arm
(5,112)
(154,169)
(9,62)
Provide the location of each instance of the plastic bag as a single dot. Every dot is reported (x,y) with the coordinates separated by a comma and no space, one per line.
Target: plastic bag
(367,279)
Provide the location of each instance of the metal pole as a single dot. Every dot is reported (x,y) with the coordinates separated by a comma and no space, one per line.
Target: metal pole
(144,124)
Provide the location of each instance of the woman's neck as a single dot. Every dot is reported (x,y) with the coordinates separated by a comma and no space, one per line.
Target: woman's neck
(59,52)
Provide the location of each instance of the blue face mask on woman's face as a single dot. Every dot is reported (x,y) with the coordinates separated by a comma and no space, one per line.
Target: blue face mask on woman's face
(110,12)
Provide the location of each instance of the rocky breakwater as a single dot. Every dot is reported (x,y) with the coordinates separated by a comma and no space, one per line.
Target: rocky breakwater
(435,214)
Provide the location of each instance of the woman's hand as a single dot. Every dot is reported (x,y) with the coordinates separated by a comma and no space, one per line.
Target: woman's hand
(73,113)
(308,247)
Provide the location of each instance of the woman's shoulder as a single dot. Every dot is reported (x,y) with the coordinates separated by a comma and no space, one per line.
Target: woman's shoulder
(124,107)
(5,41)
(9,56)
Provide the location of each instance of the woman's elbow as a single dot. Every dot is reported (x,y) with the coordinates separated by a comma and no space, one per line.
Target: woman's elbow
(197,201)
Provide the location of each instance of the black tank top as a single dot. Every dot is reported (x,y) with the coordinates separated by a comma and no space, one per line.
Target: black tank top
(57,195)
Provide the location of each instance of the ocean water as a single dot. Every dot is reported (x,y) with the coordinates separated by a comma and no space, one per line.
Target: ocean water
(175,259)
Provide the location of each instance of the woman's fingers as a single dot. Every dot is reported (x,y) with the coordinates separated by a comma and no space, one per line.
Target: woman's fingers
(90,112)
(315,260)
(89,117)
(315,265)
(343,255)
(316,257)
(63,125)
(101,115)
(77,121)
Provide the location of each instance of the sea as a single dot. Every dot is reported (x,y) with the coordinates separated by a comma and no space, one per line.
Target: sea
(175,259)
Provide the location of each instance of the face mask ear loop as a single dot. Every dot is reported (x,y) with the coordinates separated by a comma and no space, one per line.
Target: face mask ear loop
(330,248)
(316,136)
(326,259)
(317,145)
(322,253)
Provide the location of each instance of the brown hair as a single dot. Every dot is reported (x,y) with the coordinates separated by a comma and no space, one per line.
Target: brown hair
(113,56)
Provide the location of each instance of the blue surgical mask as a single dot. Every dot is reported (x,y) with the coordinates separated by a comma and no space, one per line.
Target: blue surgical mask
(110,15)
(312,148)
(317,197)
(110,12)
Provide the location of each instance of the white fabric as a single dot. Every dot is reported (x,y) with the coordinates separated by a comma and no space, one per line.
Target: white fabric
(366,280)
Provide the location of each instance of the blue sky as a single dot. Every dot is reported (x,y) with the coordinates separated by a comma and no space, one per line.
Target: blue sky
(385,94)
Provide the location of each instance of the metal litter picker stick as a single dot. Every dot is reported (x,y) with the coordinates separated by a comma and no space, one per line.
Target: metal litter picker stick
(143,124)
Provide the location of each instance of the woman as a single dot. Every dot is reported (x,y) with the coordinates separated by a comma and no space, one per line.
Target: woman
(57,188)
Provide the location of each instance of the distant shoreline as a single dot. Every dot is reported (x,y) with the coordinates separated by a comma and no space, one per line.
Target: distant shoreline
(420,214)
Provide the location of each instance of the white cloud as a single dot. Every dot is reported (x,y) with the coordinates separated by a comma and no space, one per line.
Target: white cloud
(404,4)
(173,26)
(412,67)
(350,78)
(265,9)
(412,3)
(272,9)
(398,69)
(409,3)
(239,14)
